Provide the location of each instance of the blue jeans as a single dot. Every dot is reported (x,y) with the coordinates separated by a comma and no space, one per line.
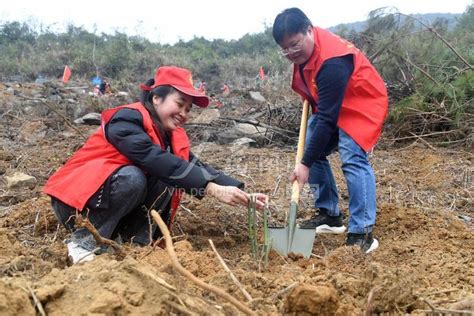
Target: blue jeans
(360,180)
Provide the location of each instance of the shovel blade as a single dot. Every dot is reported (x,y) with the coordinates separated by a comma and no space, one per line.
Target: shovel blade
(301,243)
(279,239)
(303,240)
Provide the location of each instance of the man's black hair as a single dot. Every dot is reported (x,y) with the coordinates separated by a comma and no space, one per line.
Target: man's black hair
(290,21)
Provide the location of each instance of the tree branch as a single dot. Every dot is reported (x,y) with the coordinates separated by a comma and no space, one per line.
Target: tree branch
(189,275)
(432,30)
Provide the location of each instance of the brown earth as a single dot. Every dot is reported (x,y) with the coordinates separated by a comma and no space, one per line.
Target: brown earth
(424,225)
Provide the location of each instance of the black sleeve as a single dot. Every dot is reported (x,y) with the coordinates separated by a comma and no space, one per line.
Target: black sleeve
(125,132)
(331,81)
(216,176)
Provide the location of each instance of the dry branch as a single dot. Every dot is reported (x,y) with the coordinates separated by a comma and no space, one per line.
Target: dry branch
(232,276)
(442,311)
(285,290)
(257,123)
(149,275)
(189,275)
(408,61)
(84,222)
(370,301)
(37,302)
(423,141)
(432,30)
(424,135)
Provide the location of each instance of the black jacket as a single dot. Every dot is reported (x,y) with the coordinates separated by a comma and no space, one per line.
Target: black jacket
(125,132)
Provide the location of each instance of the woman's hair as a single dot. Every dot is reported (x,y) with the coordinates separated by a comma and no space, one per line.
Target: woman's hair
(147,101)
(290,21)
(160,91)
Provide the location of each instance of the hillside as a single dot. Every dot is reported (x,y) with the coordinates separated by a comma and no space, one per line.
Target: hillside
(450,19)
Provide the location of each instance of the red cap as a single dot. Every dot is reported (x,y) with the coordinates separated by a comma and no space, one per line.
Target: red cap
(182,80)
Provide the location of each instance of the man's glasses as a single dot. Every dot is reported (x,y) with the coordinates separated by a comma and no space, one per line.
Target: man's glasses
(292,49)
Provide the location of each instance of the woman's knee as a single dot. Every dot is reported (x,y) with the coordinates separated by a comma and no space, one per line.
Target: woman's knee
(129,179)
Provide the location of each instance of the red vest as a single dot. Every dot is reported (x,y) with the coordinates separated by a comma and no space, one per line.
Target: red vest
(86,171)
(365,103)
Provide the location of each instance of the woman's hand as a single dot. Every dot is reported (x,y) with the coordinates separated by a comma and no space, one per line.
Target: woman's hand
(227,194)
(234,196)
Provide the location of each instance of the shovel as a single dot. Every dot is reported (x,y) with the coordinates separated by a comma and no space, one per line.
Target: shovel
(293,238)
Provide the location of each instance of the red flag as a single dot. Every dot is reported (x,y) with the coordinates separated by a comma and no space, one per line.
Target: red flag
(67,74)
(262,73)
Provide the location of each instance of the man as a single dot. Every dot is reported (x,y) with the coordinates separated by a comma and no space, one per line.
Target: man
(349,104)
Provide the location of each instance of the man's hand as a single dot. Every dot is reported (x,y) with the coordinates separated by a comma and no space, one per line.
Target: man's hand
(300,174)
(234,196)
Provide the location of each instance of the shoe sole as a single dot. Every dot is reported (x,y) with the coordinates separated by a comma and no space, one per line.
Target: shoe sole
(373,246)
(325,229)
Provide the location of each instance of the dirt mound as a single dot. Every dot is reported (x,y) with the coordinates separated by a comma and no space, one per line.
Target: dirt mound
(113,288)
(14,300)
(312,300)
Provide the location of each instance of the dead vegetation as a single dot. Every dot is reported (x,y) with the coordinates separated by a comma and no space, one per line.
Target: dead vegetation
(424,264)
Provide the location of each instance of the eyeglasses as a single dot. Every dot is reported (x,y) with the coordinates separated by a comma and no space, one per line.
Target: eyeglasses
(292,49)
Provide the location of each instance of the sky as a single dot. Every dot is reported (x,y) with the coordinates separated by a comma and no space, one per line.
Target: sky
(170,21)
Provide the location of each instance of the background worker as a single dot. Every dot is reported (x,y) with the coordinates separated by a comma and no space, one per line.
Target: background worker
(202,87)
(349,104)
(225,90)
(104,87)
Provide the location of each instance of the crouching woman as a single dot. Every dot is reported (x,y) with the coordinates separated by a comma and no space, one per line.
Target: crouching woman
(137,160)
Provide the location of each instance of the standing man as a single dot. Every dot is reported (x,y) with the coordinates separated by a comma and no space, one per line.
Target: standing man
(349,104)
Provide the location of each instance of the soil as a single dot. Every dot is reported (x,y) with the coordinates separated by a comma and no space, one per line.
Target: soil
(424,226)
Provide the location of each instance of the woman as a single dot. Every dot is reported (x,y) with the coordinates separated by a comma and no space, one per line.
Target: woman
(138,160)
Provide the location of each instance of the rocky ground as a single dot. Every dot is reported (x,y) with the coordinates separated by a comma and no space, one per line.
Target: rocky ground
(424,225)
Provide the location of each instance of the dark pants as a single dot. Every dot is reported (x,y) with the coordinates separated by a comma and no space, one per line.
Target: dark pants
(119,208)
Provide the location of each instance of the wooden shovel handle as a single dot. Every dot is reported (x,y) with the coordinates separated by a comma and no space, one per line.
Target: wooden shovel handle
(295,192)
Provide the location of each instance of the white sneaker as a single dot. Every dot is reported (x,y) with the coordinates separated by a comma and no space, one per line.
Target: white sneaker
(374,245)
(78,254)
